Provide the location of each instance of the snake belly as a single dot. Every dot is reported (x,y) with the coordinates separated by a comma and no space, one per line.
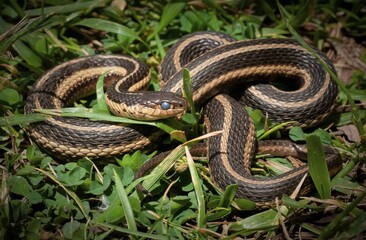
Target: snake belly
(216,63)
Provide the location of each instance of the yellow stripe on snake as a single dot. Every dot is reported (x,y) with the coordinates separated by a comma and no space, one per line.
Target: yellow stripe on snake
(221,69)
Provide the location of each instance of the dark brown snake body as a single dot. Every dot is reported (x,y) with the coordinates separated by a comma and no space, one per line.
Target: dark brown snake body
(217,64)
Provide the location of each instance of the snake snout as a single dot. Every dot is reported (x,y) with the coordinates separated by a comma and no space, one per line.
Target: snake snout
(150,106)
(167,104)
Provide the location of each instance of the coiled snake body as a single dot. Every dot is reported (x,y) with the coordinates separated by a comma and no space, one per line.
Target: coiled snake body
(217,64)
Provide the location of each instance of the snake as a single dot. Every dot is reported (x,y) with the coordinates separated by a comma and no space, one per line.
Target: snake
(226,76)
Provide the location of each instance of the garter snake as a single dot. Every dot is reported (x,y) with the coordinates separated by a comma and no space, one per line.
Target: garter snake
(218,65)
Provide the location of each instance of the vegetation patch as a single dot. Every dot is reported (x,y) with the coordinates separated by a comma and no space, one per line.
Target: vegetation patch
(44,199)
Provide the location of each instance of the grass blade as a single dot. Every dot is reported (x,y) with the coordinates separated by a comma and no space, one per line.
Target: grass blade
(260,221)
(169,161)
(187,88)
(26,26)
(108,26)
(22,119)
(160,47)
(130,218)
(317,166)
(170,11)
(339,219)
(130,232)
(197,185)
(158,172)
(102,105)
(187,93)
(89,113)
(27,54)
(65,8)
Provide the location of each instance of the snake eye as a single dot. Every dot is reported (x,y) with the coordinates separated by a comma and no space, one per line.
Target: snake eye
(165,105)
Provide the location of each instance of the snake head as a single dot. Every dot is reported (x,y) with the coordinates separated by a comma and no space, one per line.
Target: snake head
(147,106)
(160,105)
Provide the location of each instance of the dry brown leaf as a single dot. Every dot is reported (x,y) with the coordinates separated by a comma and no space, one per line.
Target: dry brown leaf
(351,132)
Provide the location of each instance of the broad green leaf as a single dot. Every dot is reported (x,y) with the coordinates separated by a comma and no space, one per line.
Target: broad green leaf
(187,93)
(33,228)
(178,203)
(228,196)
(135,204)
(128,176)
(34,197)
(30,152)
(217,213)
(10,96)
(189,118)
(257,116)
(111,168)
(297,134)
(73,177)
(71,166)
(26,170)
(19,185)
(187,20)
(35,179)
(96,188)
(133,161)
(70,228)
(115,214)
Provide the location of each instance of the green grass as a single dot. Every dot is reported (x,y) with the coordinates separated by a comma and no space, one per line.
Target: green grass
(40,198)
